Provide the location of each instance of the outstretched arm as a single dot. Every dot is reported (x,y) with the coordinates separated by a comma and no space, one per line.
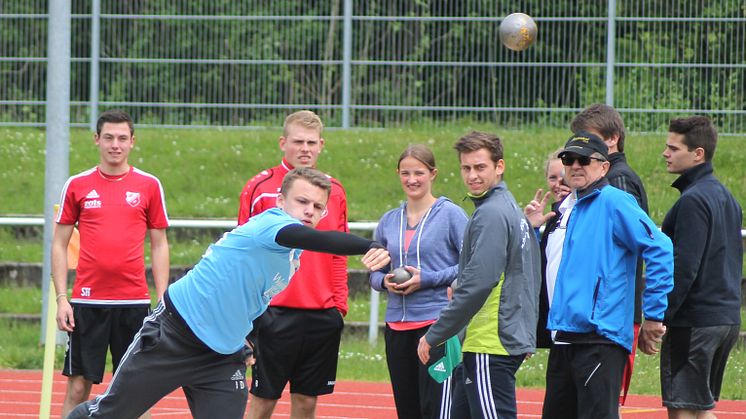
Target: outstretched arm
(301,237)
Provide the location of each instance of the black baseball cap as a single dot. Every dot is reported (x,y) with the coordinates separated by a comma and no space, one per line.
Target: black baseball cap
(584,143)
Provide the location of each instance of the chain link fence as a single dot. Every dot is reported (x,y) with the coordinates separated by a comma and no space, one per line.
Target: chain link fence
(231,63)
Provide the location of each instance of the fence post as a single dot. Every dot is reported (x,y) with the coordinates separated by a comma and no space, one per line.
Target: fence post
(373,318)
(58,129)
(95,53)
(346,65)
(610,52)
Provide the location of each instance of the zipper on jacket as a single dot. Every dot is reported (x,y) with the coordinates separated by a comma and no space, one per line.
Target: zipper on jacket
(595,297)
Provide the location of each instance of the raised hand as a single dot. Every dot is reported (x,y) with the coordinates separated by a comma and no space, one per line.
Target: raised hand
(534,211)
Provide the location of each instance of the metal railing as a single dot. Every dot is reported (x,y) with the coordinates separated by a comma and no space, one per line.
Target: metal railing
(229,224)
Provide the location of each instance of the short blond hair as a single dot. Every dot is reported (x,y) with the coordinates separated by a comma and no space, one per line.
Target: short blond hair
(305,118)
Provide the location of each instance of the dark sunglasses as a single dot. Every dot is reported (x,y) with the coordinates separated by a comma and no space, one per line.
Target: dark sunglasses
(583,160)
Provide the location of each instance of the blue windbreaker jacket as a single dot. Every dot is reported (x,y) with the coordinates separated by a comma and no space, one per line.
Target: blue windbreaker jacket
(595,288)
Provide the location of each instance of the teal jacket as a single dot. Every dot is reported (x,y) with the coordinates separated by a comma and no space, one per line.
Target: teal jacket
(595,287)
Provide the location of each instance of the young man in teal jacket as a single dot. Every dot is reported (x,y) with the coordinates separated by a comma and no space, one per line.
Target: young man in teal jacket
(603,231)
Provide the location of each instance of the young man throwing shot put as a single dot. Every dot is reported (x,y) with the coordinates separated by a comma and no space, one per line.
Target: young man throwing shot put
(195,338)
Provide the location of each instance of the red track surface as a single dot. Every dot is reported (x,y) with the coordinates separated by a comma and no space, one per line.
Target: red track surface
(20,392)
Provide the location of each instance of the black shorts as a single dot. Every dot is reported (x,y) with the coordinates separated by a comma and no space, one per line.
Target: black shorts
(299,346)
(96,331)
(693,362)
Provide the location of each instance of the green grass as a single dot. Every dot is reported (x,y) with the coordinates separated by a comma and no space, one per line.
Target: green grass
(23,300)
(358,360)
(203,171)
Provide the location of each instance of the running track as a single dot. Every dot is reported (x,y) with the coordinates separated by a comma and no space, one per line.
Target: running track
(20,395)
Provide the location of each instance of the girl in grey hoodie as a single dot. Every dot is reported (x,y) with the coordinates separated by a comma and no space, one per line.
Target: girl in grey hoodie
(424,236)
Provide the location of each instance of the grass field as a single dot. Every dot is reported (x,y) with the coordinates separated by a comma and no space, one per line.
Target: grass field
(203,171)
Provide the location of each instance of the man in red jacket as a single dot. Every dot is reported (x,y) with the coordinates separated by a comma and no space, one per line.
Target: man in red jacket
(297,338)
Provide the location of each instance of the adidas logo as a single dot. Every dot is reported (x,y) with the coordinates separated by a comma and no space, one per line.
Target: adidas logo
(467,381)
(92,194)
(237,376)
(439,367)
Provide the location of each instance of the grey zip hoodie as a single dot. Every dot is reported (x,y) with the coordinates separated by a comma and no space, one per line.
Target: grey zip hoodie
(498,281)
(434,250)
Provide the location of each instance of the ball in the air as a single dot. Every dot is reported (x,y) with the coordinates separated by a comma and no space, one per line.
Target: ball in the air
(401,275)
(518,31)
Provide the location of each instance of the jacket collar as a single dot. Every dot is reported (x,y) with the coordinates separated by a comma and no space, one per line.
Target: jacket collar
(478,200)
(285,165)
(692,175)
(617,157)
(597,185)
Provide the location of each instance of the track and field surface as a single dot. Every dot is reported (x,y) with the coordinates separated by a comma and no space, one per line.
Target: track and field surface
(20,392)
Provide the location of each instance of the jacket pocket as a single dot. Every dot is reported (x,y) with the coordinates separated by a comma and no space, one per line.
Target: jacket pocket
(150,335)
(595,297)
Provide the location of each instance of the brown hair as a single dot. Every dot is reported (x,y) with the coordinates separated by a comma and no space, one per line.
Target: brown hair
(115,116)
(601,118)
(307,119)
(419,152)
(477,140)
(698,132)
(312,176)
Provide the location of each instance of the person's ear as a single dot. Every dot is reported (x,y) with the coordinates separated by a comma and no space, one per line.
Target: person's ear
(500,167)
(280,201)
(699,154)
(612,141)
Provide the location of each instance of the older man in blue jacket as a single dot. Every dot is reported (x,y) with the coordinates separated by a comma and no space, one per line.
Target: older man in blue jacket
(601,233)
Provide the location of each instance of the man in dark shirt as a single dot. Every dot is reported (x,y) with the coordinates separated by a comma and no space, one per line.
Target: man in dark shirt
(703,314)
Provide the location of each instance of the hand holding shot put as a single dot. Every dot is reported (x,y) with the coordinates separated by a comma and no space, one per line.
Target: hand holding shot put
(403,280)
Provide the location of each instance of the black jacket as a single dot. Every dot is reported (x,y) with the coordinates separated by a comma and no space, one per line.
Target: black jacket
(705,227)
(621,176)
